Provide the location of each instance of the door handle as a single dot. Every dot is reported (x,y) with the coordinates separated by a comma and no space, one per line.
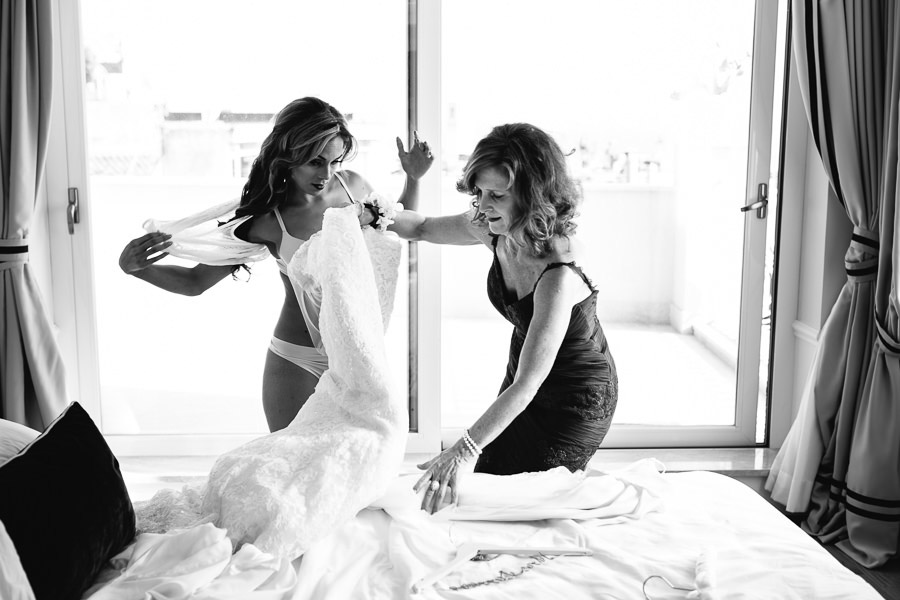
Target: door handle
(73,213)
(761,205)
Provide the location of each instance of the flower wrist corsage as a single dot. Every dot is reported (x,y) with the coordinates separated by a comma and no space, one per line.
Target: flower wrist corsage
(384,211)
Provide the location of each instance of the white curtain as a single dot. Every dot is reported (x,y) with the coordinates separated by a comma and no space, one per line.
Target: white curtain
(32,379)
(840,464)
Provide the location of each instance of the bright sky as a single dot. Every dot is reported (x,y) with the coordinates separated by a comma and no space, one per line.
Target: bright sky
(591,69)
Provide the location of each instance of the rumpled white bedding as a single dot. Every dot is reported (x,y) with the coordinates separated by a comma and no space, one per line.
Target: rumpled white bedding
(327,488)
(701,531)
(386,547)
(195,563)
(13,580)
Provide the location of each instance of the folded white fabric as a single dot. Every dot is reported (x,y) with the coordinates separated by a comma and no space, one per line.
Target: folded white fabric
(554,494)
(200,238)
(546,509)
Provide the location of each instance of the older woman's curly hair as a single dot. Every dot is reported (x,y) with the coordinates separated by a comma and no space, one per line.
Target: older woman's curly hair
(547,194)
(300,132)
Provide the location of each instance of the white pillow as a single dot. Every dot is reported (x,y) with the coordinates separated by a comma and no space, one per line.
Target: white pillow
(13,580)
(14,437)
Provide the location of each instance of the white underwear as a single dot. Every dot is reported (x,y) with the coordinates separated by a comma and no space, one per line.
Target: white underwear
(305,357)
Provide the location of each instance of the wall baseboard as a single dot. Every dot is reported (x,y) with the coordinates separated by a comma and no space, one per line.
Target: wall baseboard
(804,333)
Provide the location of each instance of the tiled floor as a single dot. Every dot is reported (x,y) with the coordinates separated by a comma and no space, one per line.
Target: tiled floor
(665,378)
(885,579)
(145,475)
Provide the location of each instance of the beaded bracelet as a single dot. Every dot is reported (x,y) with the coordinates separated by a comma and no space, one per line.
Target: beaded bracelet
(472,451)
(470,444)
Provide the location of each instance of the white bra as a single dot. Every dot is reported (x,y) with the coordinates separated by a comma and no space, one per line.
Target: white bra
(310,301)
(289,244)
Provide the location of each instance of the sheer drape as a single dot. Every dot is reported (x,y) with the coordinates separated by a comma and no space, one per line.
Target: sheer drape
(32,382)
(841,461)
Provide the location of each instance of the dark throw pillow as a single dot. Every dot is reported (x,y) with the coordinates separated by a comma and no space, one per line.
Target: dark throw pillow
(65,505)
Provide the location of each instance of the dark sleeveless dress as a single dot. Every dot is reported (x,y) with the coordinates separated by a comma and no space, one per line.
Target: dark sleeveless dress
(569,416)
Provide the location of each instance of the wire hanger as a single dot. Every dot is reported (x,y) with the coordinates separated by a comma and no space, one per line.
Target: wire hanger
(666,581)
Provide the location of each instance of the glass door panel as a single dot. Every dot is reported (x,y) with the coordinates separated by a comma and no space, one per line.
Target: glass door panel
(177,98)
(652,99)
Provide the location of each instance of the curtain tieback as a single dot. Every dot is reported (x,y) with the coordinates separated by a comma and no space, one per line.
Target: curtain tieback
(863,243)
(12,252)
(888,344)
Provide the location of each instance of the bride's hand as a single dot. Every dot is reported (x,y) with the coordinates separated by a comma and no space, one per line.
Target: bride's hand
(442,475)
(418,160)
(366,215)
(142,252)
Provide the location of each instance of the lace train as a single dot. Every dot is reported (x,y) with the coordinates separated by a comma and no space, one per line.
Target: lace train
(285,490)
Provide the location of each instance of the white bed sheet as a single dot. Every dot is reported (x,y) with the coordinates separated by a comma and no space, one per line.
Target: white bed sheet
(13,580)
(745,548)
(654,524)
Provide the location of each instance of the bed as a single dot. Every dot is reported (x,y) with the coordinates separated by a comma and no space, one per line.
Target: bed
(69,522)
(630,533)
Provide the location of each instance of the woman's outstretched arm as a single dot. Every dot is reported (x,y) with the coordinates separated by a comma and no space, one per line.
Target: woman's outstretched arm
(139,258)
(458,230)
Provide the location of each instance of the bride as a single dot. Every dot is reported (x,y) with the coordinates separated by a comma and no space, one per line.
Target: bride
(285,490)
(289,488)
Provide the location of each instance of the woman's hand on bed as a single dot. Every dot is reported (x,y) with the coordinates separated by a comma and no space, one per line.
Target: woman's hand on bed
(441,477)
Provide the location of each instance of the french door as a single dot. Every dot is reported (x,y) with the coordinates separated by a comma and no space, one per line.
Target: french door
(164,104)
(666,109)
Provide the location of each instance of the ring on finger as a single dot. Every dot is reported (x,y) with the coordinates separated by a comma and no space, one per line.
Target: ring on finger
(434,485)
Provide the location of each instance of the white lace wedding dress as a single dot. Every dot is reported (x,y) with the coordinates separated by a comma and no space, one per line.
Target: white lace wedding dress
(285,490)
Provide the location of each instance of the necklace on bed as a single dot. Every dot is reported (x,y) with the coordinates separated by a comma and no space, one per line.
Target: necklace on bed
(504,575)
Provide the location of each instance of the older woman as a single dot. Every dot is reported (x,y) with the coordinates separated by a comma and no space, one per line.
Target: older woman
(559,395)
